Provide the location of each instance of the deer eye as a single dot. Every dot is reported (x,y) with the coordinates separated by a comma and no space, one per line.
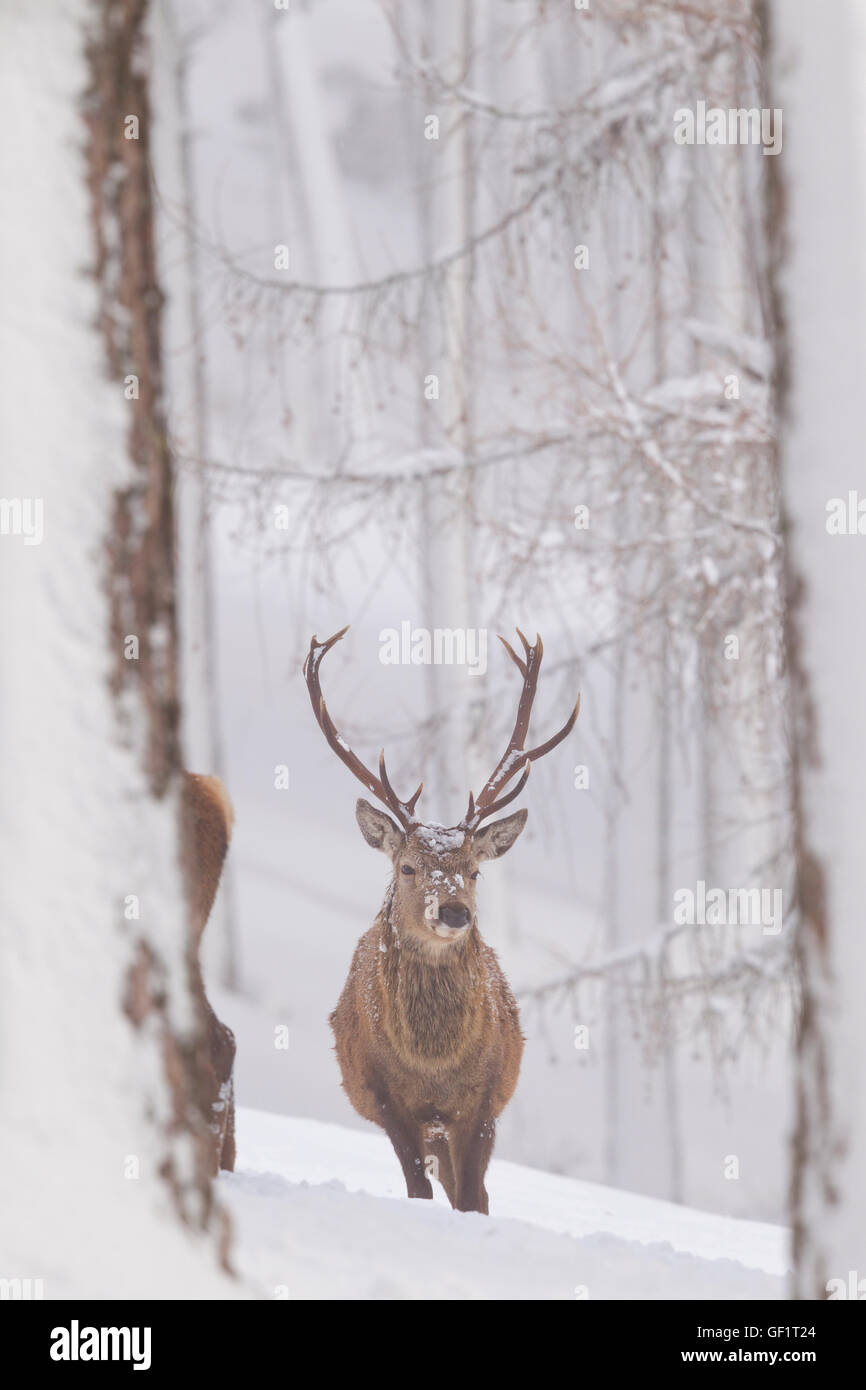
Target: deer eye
(407,869)
(475,874)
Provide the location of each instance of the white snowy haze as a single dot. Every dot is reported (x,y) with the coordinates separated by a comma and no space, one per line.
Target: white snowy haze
(307,133)
(452,333)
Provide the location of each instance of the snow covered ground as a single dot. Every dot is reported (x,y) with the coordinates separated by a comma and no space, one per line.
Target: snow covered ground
(320,1212)
(306,887)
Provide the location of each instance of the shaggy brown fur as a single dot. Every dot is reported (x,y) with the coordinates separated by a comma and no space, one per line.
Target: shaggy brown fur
(207,820)
(427,1030)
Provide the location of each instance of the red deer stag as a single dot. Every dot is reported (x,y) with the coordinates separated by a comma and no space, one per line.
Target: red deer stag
(427,1030)
(206,827)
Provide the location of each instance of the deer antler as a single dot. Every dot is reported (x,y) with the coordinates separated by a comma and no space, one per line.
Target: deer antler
(516,757)
(380,786)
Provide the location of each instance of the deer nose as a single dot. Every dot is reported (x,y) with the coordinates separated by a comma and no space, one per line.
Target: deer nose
(454,914)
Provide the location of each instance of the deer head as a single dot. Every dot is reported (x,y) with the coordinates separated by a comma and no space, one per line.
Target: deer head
(436,867)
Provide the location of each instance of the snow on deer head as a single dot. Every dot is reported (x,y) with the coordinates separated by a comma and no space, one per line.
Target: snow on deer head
(436,867)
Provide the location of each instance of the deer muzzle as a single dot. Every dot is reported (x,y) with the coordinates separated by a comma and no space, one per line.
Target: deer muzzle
(454,915)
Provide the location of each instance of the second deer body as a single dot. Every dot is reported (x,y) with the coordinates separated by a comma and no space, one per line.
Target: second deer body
(206,827)
(427,1030)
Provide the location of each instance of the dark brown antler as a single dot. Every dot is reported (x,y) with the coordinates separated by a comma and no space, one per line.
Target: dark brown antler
(516,757)
(380,786)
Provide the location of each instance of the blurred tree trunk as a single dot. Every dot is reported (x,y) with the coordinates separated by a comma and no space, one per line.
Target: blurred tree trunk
(816,218)
(103,1048)
(420,25)
(445,564)
(189,413)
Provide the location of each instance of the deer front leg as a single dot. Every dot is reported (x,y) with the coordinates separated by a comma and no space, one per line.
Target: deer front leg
(437,1157)
(406,1141)
(473,1149)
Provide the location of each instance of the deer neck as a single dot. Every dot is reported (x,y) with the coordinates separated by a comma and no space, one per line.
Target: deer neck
(434,996)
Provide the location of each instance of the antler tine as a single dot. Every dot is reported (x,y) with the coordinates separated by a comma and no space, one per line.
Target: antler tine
(539,645)
(313,661)
(551,743)
(509,764)
(517,757)
(474,816)
(380,787)
(519,663)
(404,809)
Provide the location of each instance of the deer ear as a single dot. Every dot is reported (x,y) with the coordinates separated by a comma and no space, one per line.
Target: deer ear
(377,827)
(493,840)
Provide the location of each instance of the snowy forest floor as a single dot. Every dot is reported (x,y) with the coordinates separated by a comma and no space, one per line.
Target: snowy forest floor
(320,1212)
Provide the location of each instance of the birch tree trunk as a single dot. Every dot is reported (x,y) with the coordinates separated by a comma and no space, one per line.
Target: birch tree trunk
(105,1188)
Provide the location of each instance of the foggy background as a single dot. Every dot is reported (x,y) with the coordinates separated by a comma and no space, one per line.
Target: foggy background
(635,386)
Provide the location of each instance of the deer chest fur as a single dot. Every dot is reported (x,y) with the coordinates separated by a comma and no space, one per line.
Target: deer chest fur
(437,1006)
